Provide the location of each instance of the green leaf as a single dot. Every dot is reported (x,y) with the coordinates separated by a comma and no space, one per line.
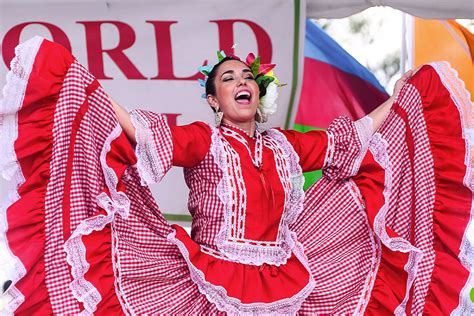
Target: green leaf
(264,80)
(220,55)
(255,66)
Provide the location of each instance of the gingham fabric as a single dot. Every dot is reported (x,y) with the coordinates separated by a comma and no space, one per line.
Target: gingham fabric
(386,233)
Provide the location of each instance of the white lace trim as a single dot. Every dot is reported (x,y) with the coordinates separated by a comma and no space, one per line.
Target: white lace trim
(376,251)
(235,208)
(234,246)
(462,98)
(295,197)
(364,128)
(218,295)
(328,158)
(292,179)
(378,147)
(74,247)
(13,96)
(364,132)
(257,155)
(149,165)
(116,263)
(233,218)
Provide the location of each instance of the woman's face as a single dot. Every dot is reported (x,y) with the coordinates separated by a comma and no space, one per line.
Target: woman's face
(237,93)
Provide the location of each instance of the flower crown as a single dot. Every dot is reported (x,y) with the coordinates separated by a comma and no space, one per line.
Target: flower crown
(263,73)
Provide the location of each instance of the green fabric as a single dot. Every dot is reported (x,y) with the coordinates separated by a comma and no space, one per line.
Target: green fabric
(309,177)
(178,217)
(296,49)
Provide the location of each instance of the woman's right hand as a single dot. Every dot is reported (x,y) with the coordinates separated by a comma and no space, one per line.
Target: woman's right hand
(401,82)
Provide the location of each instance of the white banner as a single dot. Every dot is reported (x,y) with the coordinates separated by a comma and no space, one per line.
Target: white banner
(146,53)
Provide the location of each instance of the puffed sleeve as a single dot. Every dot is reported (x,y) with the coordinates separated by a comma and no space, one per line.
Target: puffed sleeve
(337,150)
(191,143)
(160,146)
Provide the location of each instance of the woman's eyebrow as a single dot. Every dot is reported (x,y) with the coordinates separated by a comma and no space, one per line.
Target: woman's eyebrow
(227,72)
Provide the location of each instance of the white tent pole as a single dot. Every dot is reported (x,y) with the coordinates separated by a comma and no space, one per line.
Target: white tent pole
(403,52)
(410,21)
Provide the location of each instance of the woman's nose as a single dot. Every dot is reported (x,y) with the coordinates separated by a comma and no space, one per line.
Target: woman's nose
(242,81)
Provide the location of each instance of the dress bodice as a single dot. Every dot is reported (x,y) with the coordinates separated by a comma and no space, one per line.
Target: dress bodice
(241,208)
(245,192)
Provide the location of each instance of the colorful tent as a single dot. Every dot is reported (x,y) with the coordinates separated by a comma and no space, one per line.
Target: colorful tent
(334,84)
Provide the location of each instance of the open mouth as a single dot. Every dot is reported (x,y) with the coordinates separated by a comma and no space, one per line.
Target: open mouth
(243,97)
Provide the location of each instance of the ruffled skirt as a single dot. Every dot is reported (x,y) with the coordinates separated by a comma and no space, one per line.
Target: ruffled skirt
(84,236)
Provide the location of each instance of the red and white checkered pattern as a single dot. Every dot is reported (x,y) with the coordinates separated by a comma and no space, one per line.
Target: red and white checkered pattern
(85,181)
(145,253)
(339,245)
(344,149)
(152,275)
(399,217)
(154,145)
(201,179)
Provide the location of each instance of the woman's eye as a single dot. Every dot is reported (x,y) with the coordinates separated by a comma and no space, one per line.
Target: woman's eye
(227,79)
(249,78)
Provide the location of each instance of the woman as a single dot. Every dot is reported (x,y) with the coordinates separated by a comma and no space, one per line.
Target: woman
(254,247)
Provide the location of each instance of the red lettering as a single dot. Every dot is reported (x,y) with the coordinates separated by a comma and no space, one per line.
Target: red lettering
(12,39)
(165,53)
(172,118)
(95,52)
(226,38)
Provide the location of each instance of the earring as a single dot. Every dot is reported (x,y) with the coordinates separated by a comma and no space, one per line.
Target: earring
(259,116)
(218,116)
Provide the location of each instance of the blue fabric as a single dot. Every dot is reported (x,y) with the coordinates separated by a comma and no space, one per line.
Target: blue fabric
(320,46)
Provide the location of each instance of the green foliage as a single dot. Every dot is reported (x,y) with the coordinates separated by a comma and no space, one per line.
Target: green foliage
(359,25)
(255,66)
(264,80)
(391,64)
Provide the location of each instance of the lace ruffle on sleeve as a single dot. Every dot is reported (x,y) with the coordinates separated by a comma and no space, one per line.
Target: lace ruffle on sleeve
(347,144)
(154,149)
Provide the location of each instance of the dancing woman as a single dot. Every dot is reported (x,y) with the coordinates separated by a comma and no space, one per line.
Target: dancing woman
(86,235)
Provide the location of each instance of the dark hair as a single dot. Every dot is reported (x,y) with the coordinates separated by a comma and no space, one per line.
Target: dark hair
(210,84)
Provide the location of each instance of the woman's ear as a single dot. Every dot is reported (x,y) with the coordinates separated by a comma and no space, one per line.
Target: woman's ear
(212,100)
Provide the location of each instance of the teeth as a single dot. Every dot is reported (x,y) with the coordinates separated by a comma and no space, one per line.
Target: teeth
(243,93)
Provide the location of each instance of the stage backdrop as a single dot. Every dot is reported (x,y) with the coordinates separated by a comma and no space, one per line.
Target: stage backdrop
(146,53)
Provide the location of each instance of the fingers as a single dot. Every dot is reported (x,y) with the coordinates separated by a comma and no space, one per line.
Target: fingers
(403,79)
(407,75)
(410,73)
(417,68)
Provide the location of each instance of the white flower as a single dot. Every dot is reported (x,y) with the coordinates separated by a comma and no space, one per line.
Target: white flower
(268,104)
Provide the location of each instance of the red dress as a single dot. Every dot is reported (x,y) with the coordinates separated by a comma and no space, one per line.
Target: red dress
(379,234)
(245,192)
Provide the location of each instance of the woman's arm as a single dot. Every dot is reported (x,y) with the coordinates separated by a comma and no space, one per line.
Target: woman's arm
(338,148)
(190,143)
(125,121)
(380,113)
